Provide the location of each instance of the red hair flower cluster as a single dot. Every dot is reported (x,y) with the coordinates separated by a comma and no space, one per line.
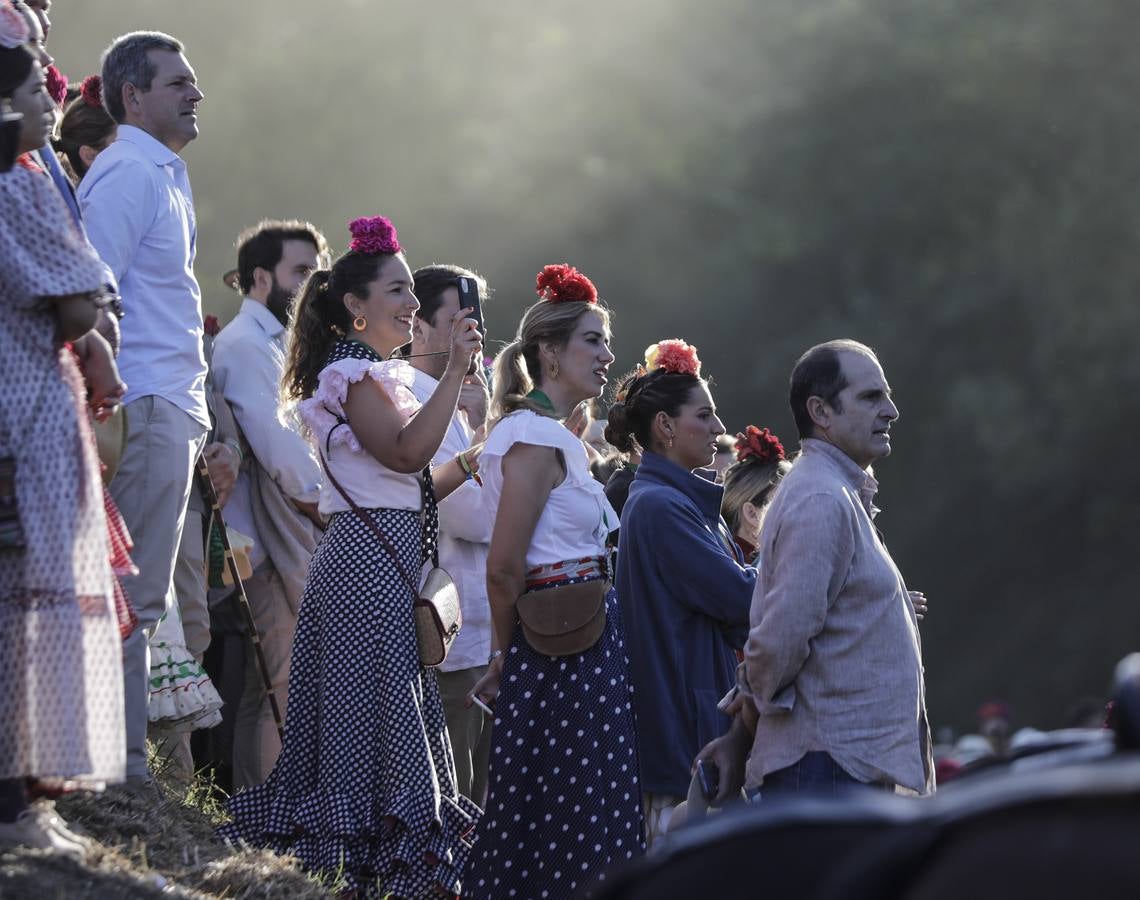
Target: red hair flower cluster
(372,235)
(56,83)
(673,355)
(92,91)
(759,444)
(14,31)
(564,284)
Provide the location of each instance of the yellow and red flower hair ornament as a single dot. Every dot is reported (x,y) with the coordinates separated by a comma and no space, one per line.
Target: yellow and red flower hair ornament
(673,355)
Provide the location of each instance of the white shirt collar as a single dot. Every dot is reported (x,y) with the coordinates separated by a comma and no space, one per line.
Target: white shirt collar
(261,314)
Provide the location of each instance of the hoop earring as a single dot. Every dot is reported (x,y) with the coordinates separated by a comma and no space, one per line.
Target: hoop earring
(359,323)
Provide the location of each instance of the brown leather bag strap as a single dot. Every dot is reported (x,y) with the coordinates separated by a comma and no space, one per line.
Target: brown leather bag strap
(373,527)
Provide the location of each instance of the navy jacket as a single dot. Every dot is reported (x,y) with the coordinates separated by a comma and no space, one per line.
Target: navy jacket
(685,598)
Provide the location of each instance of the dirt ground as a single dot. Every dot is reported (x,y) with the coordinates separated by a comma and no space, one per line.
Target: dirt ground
(159,844)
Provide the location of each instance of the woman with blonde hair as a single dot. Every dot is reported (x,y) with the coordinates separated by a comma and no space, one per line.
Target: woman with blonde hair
(365,785)
(749,483)
(564,797)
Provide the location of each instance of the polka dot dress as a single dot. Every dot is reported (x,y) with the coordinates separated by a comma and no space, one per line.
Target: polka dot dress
(365,784)
(565,800)
(61,679)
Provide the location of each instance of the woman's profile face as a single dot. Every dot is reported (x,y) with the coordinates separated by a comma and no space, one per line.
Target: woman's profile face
(584,362)
(695,430)
(32,101)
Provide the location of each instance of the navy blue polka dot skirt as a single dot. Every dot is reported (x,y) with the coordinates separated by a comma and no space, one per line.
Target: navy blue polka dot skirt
(364,788)
(564,801)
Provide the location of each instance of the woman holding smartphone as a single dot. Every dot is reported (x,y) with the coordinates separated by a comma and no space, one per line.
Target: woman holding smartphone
(684,587)
(365,783)
(564,796)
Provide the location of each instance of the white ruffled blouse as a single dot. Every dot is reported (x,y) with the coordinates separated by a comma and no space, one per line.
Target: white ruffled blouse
(371,484)
(577,517)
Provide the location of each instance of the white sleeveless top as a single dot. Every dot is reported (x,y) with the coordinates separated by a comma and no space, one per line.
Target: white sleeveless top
(577,517)
(367,481)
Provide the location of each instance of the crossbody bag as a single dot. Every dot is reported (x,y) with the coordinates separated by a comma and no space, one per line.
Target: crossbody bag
(436,601)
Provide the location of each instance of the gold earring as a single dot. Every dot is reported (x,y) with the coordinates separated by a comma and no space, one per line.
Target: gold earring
(670,442)
(554,368)
(359,323)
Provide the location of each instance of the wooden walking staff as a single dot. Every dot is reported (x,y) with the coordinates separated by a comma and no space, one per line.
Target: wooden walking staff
(243,601)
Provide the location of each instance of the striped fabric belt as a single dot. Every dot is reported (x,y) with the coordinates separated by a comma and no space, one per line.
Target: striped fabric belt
(559,572)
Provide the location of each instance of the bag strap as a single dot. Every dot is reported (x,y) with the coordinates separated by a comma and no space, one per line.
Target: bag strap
(372,526)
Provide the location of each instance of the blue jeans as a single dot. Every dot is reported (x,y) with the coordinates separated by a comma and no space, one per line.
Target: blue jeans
(815,772)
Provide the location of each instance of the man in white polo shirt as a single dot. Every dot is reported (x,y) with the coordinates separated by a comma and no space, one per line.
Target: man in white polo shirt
(139,211)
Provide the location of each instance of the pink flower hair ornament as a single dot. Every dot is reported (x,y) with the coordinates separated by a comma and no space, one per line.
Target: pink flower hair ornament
(673,355)
(759,444)
(14,30)
(372,235)
(56,84)
(91,90)
(562,283)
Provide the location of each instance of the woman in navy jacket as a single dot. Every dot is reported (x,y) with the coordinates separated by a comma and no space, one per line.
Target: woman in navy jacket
(684,588)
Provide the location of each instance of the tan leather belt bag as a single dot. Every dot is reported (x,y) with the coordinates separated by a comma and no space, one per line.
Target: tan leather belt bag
(564,620)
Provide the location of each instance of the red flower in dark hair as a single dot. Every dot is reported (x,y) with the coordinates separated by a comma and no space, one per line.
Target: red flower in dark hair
(759,444)
(564,284)
(92,91)
(372,235)
(210,326)
(56,83)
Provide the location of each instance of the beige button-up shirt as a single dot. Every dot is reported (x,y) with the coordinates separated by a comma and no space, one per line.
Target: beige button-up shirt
(833,659)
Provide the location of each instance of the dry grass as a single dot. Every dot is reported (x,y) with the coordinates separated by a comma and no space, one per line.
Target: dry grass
(159,844)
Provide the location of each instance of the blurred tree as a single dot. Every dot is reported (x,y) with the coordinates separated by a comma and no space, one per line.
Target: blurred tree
(952,181)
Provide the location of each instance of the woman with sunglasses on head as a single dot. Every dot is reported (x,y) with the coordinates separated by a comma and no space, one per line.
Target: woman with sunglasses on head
(564,796)
(61,701)
(684,586)
(364,787)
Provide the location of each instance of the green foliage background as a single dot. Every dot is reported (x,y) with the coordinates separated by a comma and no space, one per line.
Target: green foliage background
(951,181)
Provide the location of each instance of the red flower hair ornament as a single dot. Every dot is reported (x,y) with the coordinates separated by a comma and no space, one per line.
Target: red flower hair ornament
(14,31)
(759,444)
(92,91)
(673,355)
(564,284)
(372,235)
(56,84)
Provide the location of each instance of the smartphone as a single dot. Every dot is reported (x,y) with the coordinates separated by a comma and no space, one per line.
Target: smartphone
(709,778)
(9,137)
(483,706)
(469,296)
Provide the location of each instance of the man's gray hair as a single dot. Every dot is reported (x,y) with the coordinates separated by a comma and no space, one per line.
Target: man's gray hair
(126,62)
